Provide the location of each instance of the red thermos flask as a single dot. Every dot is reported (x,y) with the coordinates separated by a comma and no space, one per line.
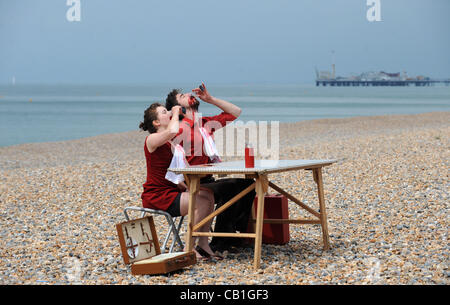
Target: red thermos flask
(249,156)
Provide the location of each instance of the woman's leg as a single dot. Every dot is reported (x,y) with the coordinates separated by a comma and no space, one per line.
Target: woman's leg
(204,205)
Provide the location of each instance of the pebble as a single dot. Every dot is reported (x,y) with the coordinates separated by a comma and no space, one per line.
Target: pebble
(387,203)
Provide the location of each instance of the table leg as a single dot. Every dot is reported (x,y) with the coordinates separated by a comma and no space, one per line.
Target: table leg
(317,172)
(261,190)
(194,184)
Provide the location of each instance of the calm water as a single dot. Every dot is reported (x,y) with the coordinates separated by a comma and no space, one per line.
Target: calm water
(35,113)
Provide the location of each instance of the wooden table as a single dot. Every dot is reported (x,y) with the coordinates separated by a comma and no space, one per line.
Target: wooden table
(260,173)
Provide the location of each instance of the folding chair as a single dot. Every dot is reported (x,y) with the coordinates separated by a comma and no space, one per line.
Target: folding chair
(172,229)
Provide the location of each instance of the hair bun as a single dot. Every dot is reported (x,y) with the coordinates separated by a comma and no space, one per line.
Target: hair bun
(142,126)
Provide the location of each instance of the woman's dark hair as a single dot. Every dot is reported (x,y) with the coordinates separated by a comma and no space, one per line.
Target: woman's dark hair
(171,99)
(150,115)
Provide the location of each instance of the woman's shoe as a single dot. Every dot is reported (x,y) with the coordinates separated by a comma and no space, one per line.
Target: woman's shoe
(206,254)
(217,256)
(201,254)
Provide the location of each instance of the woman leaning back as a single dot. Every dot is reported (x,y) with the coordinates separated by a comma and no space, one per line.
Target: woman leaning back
(160,193)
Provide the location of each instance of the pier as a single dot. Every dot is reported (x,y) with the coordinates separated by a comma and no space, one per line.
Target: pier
(373,83)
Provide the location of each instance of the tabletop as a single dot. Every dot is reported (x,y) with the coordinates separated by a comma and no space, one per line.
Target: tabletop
(261,167)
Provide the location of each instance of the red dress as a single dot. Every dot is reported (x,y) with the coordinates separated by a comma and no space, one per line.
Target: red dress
(159,193)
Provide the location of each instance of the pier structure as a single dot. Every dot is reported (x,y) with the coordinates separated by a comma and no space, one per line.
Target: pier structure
(374,79)
(373,83)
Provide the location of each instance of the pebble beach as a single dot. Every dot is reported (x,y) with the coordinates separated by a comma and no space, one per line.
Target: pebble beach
(386,197)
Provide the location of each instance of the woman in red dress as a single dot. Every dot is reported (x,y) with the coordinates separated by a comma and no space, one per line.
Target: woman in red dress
(160,193)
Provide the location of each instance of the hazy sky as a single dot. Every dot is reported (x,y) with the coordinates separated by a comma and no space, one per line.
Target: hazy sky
(232,41)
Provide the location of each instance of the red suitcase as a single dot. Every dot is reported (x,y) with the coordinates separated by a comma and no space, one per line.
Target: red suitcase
(275,207)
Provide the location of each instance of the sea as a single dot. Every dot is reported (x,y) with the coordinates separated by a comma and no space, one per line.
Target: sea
(48,113)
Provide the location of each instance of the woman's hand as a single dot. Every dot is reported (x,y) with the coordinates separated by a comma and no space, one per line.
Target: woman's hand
(176,110)
(182,186)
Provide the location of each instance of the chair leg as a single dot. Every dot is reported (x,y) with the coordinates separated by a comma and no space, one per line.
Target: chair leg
(171,227)
(176,237)
(180,243)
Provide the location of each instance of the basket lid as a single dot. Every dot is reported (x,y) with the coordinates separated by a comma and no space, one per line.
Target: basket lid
(138,239)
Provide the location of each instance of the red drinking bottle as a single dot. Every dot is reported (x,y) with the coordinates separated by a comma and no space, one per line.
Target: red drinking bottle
(249,156)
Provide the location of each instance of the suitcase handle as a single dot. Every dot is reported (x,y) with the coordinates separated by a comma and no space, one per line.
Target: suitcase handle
(179,260)
(182,259)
